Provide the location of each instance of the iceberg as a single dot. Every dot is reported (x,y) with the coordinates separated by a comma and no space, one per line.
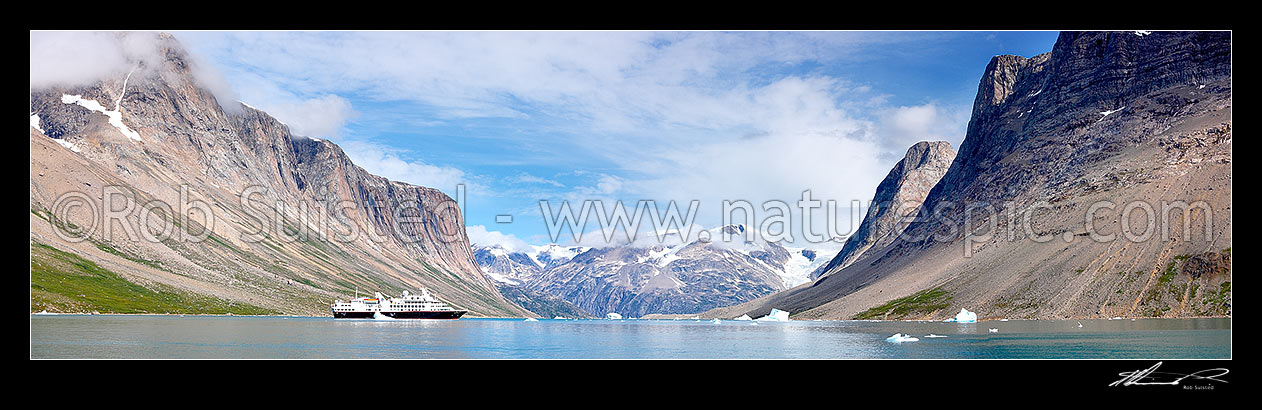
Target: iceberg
(744,317)
(776,315)
(531,319)
(933,335)
(901,338)
(994,330)
(964,317)
(379,316)
(716,321)
(613,316)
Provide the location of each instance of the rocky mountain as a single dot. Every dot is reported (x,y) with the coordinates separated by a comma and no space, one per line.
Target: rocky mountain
(148,176)
(898,199)
(512,269)
(637,280)
(504,266)
(1093,181)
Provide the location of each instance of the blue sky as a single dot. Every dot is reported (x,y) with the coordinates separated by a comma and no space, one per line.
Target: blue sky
(519,117)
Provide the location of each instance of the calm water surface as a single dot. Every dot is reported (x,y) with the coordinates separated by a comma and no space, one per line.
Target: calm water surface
(122,336)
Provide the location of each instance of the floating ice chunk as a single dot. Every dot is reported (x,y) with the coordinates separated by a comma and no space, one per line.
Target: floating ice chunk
(560,318)
(994,330)
(379,316)
(744,317)
(531,319)
(716,321)
(963,317)
(1003,320)
(901,338)
(613,316)
(931,335)
(776,315)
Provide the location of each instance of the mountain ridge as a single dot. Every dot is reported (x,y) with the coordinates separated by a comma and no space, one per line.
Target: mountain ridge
(1105,117)
(190,150)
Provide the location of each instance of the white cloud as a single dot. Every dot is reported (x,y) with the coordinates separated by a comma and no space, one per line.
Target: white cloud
(322,116)
(386,162)
(72,58)
(900,127)
(667,115)
(531,179)
(479,235)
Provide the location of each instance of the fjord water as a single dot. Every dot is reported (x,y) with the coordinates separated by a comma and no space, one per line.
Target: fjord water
(125,336)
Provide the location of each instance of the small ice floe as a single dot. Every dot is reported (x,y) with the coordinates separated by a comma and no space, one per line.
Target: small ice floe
(613,316)
(531,319)
(754,324)
(901,338)
(931,335)
(993,330)
(1079,324)
(776,315)
(1116,318)
(44,312)
(559,318)
(743,317)
(1003,320)
(716,321)
(963,317)
(379,316)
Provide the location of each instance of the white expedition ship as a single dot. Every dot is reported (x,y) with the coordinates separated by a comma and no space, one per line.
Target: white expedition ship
(408,306)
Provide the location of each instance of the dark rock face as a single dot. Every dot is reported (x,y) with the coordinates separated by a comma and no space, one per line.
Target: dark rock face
(543,305)
(898,198)
(1116,117)
(1031,107)
(408,236)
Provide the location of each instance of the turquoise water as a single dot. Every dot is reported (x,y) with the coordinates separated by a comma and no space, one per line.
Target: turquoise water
(124,336)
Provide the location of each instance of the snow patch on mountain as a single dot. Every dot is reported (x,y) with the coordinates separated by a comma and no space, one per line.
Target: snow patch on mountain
(115,117)
(800,265)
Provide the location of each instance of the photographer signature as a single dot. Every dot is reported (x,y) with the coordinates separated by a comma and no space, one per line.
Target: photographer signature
(1152,377)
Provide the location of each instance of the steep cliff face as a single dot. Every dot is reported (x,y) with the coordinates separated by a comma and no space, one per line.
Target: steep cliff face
(1069,159)
(255,214)
(898,199)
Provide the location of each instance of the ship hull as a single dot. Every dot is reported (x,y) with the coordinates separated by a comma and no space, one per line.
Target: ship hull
(441,315)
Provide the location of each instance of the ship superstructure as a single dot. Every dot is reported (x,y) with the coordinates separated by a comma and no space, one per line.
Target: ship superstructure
(407,306)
